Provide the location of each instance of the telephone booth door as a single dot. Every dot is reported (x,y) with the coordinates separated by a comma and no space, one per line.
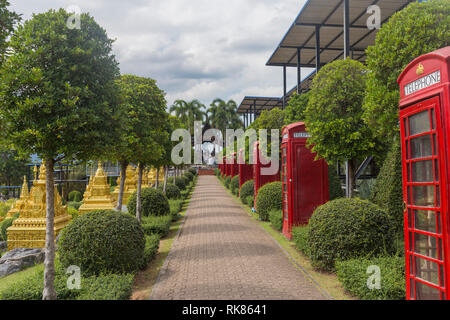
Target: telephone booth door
(425,219)
(286,184)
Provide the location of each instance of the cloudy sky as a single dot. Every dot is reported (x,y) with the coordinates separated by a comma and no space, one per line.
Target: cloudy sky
(194,48)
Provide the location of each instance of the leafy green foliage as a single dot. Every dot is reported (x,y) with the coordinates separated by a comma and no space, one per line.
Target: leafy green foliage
(154,203)
(12,169)
(151,248)
(179,182)
(159,225)
(270,197)
(73,212)
(334,112)
(65,77)
(101,287)
(189,176)
(246,191)
(75,196)
(7,21)
(418,29)
(5,206)
(234,185)
(348,228)
(334,183)
(300,238)
(175,208)
(223,115)
(295,109)
(172,191)
(103,241)
(250,201)
(75,205)
(193,171)
(276,219)
(353,275)
(5,224)
(388,190)
(227,181)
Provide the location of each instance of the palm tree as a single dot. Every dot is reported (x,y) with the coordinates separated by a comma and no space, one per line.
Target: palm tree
(188,112)
(223,115)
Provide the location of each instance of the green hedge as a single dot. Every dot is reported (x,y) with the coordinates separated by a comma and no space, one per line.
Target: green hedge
(234,185)
(189,176)
(151,248)
(172,191)
(276,219)
(246,191)
(180,182)
(154,203)
(270,197)
(75,205)
(388,189)
(175,208)
(354,277)
(102,287)
(300,238)
(249,201)
(75,196)
(227,182)
(348,228)
(193,171)
(5,224)
(102,242)
(159,225)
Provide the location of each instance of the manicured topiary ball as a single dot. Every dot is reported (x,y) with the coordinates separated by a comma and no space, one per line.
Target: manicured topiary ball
(154,203)
(188,175)
(235,185)
(75,196)
(180,182)
(270,197)
(246,191)
(102,242)
(172,191)
(348,228)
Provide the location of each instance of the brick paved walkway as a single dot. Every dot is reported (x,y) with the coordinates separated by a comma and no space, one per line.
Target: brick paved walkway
(222,254)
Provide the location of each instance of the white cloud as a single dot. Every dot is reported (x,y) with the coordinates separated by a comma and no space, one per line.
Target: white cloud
(194,48)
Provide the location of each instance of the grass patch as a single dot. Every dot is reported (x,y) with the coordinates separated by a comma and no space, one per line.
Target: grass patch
(327,281)
(14,278)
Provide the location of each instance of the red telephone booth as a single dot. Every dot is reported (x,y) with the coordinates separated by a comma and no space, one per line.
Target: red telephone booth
(425,137)
(234,166)
(259,179)
(245,170)
(305,181)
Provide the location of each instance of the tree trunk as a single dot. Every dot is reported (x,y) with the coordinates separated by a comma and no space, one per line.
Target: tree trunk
(138,194)
(157,179)
(351,173)
(49,292)
(123,174)
(166,174)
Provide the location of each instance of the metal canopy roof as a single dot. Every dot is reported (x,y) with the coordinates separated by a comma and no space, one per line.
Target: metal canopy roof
(268,103)
(261,103)
(328,15)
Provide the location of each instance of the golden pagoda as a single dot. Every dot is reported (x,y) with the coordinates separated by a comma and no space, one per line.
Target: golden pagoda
(98,194)
(28,231)
(19,205)
(151,177)
(129,187)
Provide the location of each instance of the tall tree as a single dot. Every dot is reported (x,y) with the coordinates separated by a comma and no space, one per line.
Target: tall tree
(57,99)
(8,20)
(418,29)
(223,115)
(334,115)
(144,119)
(12,169)
(295,110)
(188,112)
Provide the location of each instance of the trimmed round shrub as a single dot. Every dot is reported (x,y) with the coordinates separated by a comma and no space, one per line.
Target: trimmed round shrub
(270,197)
(154,203)
(188,175)
(246,191)
(180,182)
(234,185)
(75,196)
(172,191)
(348,228)
(103,242)
(250,200)
(227,182)
(193,171)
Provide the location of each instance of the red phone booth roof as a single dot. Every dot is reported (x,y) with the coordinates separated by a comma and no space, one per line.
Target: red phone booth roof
(414,80)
